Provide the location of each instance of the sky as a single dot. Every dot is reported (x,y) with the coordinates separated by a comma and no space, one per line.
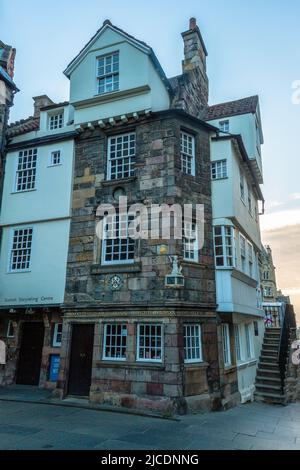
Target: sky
(253,48)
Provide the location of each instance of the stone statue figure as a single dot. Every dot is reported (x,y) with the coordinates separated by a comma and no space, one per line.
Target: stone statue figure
(176,268)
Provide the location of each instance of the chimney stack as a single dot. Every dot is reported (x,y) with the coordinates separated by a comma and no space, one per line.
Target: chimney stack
(40,102)
(194,63)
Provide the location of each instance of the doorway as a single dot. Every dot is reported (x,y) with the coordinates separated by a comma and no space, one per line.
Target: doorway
(30,356)
(80,371)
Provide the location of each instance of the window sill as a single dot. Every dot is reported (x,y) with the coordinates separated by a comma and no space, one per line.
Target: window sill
(196,365)
(116,268)
(24,191)
(222,178)
(229,369)
(128,364)
(119,181)
(21,271)
(54,165)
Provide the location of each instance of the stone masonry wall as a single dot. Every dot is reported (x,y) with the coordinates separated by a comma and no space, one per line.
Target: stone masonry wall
(158,180)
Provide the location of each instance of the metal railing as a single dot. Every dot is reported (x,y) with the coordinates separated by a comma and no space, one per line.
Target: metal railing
(288,327)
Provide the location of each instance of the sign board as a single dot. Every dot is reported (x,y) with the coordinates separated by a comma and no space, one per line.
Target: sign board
(54,367)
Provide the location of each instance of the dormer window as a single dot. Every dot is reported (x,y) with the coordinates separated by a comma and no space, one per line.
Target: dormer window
(224,126)
(56,121)
(108,73)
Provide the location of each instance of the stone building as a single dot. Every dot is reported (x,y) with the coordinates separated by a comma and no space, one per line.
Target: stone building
(126,333)
(123,321)
(268,275)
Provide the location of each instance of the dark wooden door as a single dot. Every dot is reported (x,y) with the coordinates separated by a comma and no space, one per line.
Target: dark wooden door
(80,371)
(30,356)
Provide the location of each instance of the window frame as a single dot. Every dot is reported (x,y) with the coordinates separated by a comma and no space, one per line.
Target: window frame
(226,335)
(104,76)
(138,347)
(60,122)
(9,325)
(225,257)
(187,156)
(227,124)
(51,158)
(251,258)
(104,244)
(55,342)
(222,163)
(32,168)
(10,251)
(200,347)
(243,253)
(113,358)
(248,341)
(131,158)
(195,242)
(238,343)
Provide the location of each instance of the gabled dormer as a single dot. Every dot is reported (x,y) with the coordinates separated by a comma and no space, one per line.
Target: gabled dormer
(116,74)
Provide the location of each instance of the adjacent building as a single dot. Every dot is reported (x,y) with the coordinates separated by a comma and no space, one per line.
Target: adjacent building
(35,222)
(236,174)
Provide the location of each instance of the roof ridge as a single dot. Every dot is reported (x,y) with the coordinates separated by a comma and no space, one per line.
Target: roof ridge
(233,101)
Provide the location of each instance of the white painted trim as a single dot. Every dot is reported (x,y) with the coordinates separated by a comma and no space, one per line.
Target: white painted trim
(156,361)
(113,359)
(90,44)
(55,343)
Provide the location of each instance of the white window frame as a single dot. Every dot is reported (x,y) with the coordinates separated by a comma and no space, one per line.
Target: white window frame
(125,219)
(219,170)
(243,253)
(226,345)
(55,342)
(190,243)
(56,120)
(25,171)
(228,261)
(238,343)
(138,347)
(249,341)
(10,324)
(125,160)
(111,77)
(11,250)
(113,344)
(224,126)
(250,259)
(192,335)
(51,159)
(187,153)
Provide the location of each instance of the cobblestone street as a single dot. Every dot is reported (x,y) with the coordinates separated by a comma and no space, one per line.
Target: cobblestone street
(43,426)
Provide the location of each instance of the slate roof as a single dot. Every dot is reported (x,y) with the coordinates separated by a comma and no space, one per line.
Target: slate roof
(231,108)
(23,126)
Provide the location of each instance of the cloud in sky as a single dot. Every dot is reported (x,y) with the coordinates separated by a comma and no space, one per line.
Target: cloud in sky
(285,244)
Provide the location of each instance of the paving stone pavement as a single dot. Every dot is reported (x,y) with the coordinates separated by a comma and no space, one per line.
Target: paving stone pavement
(248,427)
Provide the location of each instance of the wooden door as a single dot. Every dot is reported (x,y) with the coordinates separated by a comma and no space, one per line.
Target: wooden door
(30,356)
(80,370)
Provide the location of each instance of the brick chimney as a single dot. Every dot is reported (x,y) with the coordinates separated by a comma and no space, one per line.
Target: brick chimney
(194,63)
(40,102)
